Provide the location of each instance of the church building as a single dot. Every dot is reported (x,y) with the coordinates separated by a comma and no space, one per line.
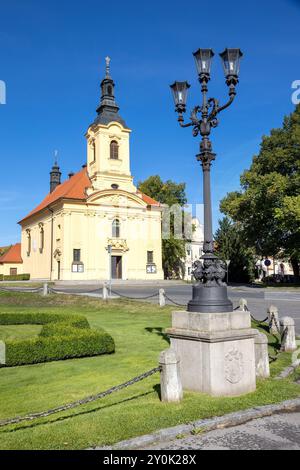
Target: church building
(96,224)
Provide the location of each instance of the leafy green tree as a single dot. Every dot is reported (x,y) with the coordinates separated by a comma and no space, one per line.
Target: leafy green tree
(173,249)
(268,205)
(3,250)
(167,192)
(230,245)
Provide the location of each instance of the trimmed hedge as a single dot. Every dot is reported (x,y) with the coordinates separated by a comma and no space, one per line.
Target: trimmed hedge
(78,321)
(16,277)
(62,337)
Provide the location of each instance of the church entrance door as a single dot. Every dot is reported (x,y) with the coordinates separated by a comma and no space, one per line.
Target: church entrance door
(116,267)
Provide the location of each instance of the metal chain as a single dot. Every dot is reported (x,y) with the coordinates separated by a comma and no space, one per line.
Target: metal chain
(271,358)
(258,321)
(135,298)
(175,303)
(83,401)
(22,289)
(56,291)
(253,318)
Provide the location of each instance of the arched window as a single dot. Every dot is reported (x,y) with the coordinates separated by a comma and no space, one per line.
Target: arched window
(114,150)
(116,228)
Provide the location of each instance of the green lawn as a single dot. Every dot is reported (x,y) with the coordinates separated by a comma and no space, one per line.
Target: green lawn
(137,329)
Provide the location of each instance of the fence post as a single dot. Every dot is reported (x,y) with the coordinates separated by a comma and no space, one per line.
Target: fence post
(243,304)
(274,327)
(45,289)
(2,353)
(170,381)
(162,297)
(105,292)
(261,355)
(288,337)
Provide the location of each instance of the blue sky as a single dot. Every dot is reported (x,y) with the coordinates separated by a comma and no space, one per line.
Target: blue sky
(52,61)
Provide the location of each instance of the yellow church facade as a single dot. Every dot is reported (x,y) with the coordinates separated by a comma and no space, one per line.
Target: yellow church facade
(96,225)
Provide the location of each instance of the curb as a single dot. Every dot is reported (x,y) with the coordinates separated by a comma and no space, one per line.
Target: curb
(210,424)
(288,370)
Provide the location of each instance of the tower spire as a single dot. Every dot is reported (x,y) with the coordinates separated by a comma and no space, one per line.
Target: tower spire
(107,61)
(55,174)
(108,108)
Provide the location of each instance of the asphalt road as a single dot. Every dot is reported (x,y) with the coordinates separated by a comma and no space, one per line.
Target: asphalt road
(277,432)
(258,299)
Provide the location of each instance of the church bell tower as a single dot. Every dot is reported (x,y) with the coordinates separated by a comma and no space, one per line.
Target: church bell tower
(55,175)
(108,156)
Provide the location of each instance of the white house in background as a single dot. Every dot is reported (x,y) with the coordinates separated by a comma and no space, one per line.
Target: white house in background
(194,248)
(273,267)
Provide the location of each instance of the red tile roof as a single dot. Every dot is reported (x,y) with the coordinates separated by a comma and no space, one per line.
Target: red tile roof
(75,188)
(13,255)
(149,200)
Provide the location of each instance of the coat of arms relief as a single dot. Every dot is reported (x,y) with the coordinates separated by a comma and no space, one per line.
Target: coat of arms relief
(234,367)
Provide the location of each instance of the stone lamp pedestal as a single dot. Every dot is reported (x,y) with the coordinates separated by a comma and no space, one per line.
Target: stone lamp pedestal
(216,351)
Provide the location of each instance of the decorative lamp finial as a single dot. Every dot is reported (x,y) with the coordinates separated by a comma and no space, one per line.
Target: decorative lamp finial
(107,61)
(55,157)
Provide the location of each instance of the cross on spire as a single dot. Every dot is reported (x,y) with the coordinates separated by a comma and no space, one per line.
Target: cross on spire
(107,61)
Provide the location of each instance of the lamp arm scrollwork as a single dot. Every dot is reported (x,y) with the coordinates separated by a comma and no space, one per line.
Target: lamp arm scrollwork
(226,105)
(181,122)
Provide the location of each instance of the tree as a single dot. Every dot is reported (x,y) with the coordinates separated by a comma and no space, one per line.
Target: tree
(173,249)
(230,245)
(167,192)
(3,250)
(268,205)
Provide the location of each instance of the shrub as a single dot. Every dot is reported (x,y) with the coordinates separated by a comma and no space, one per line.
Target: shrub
(78,321)
(62,337)
(16,277)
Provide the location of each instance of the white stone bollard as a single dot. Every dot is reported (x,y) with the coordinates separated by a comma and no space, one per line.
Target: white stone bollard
(105,291)
(45,289)
(261,355)
(162,298)
(273,315)
(288,336)
(2,353)
(243,305)
(170,380)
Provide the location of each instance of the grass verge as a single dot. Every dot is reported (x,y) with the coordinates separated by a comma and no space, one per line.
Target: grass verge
(138,331)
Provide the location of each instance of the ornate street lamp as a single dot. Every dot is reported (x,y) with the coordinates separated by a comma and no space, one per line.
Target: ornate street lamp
(179,90)
(210,291)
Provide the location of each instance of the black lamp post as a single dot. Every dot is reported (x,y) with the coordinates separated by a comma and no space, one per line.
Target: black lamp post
(210,291)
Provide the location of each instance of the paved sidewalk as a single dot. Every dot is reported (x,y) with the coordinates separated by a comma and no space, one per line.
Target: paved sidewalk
(276,432)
